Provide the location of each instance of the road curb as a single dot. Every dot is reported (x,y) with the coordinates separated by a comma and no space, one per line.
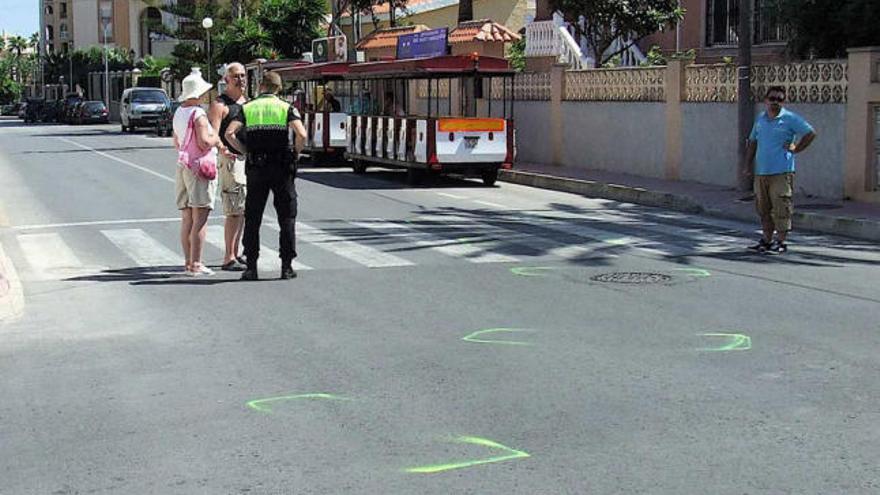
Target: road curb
(11,293)
(857,228)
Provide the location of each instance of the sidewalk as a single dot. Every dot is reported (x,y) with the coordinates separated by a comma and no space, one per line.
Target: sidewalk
(844,218)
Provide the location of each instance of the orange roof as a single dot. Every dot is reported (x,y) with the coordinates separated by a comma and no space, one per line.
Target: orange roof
(482,30)
(387,38)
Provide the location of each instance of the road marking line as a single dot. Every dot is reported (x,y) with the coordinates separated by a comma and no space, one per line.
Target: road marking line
(11,294)
(457,248)
(101,222)
(142,248)
(268,260)
(548,246)
(46,253)
(120,160)
(354,251)
(450,195)
(490,204)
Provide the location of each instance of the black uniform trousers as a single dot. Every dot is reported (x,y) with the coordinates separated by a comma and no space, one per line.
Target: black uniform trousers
(276,173)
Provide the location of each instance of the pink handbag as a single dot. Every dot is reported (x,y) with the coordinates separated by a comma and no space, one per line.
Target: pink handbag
(201,162)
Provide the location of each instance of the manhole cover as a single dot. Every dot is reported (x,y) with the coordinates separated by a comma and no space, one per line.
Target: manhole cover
(631,278)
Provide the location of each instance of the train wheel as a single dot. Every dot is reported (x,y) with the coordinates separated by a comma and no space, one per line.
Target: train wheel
(489,176)
(414,176)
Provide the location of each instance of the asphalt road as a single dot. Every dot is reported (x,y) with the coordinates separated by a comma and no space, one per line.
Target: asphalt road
(444,339)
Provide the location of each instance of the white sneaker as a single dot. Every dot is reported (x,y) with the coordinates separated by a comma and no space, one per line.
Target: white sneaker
(200,271)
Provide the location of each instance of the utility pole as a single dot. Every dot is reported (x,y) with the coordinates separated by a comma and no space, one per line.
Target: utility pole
(745,109)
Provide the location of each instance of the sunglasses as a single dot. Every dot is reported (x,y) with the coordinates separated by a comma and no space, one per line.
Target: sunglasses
(775,99)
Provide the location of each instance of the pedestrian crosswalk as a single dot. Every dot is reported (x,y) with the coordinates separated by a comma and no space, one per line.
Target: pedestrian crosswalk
(436,237)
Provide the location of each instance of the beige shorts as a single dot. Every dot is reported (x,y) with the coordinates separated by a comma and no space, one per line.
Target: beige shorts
(773,199)
(192,191)
(232,185)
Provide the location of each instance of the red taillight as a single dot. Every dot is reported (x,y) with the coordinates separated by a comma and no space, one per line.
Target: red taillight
(434,162)
(507,166)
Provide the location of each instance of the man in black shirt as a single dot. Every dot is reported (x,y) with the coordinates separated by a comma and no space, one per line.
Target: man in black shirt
(231,164)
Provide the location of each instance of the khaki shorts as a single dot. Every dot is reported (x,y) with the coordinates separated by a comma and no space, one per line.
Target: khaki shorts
(192,191)
(773,199)
(233,188)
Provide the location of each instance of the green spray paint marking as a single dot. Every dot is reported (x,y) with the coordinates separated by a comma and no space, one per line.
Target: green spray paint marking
(262,404)
(473,337)
(695,272)
(734,342)
(437,468)
(531,271)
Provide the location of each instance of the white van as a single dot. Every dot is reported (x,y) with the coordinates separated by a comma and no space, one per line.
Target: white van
(142,107)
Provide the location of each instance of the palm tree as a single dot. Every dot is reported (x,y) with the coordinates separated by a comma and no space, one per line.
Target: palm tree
(465,10)
(18,45)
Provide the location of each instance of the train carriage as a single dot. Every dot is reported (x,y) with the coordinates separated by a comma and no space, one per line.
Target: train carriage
(445,114)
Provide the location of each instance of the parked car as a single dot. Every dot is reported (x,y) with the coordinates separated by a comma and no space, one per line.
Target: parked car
(163,125)
(10,110)
(142,107)
(50,111)
(67,108)
(91,112)
(34,111)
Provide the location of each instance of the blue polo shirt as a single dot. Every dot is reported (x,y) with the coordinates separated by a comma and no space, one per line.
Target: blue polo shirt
(772,135)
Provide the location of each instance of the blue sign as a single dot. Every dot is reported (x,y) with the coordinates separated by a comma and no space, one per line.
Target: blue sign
(424,44)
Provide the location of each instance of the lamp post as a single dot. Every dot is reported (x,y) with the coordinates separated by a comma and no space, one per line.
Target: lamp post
(106,69)
(208,23)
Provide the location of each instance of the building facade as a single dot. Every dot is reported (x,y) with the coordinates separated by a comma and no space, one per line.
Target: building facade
(127,24)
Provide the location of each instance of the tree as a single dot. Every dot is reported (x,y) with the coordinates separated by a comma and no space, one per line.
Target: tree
(826,28)
(608,20)
(291,24)
(244,40)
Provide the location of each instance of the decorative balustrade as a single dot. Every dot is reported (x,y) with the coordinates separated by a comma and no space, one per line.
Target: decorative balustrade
(541,39)
(805,82)
(439,88)
(628,84)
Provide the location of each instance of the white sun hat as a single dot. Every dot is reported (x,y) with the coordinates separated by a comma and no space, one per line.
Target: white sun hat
(194,85)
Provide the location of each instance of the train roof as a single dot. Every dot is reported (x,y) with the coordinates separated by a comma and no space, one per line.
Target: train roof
(431,67)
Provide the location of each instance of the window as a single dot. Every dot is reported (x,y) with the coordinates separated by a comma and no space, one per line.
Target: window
(50,33)
(49,11)
(722,22)
(62,32)
(63,11)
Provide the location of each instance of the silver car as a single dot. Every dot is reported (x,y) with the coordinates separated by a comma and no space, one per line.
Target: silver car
(142,107)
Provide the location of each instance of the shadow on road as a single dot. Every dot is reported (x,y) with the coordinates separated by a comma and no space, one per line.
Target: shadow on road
(150,275)
(381,179)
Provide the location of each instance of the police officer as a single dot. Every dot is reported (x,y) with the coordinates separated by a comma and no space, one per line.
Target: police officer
(271,166)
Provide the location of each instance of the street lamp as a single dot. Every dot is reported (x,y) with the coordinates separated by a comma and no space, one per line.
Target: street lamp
(208,23)
(106,67)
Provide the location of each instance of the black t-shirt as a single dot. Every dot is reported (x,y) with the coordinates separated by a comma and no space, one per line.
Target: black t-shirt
(234,111)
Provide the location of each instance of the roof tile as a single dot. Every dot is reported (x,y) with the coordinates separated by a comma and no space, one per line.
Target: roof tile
(481,30)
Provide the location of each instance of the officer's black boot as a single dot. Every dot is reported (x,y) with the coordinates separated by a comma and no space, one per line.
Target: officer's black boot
(287,271)
(251,272)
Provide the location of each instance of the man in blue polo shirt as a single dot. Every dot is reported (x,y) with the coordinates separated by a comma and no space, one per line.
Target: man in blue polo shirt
(778,135)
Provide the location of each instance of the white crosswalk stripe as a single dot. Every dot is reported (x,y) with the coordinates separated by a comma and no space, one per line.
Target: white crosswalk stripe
(143,249)
(354,251)
(467,248)
(48,255)
(269,259)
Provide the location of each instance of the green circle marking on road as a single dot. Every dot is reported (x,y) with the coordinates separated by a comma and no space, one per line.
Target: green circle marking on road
(474,337)
(438,468)
(732,342)
(531,271)
(262,405)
